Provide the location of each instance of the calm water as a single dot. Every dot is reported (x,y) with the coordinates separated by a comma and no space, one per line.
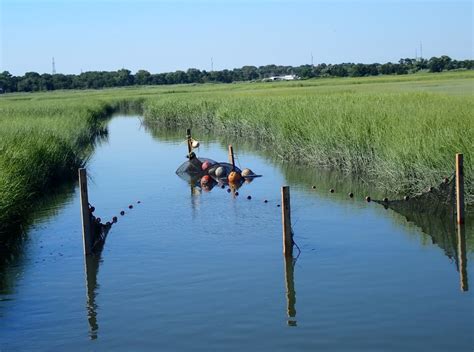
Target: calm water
(186,271)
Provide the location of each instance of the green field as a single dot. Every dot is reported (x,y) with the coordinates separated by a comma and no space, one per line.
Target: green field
(401,132)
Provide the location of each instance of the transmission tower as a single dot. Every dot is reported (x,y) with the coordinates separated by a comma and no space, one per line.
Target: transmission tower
(53,67)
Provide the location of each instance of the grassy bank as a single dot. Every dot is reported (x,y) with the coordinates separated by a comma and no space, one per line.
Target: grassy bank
(402,135)
(401,132)
(42,143)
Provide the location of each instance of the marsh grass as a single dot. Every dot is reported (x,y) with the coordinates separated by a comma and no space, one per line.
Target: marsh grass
(399,132)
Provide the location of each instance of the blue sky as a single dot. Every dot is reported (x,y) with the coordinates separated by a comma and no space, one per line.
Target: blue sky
(162,36)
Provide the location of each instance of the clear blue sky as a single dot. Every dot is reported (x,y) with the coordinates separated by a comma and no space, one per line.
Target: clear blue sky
(162,36)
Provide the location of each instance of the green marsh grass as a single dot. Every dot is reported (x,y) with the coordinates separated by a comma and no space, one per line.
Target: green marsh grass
(400,132)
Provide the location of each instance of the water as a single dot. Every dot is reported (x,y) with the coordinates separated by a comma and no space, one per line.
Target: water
(183,271)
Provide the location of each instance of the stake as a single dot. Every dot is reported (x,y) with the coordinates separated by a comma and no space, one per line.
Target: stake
(231,157)
(462,258)
(286,221)
(190,143)
(85,214)
(459,189)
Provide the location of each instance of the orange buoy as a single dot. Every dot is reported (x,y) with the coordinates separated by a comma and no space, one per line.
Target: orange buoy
(234,177)
(205,179)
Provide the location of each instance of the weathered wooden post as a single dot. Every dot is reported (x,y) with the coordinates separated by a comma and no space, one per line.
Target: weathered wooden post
(190,140)
(459,189)
(286,221)
(85,213)
(231,156)
(462,258)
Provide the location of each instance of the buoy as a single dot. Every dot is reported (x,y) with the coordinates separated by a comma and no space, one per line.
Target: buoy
(228,190)
(236,193)
(221,172)
(130,206)
(406,198)
(331,190)
(247,172)
(114,219)
(205,179)
(367,199)
(122,213)
(351,195)
(234,177)
(265,201)
(314,187)
(278,205)
(223,186)
(385,200)
(138,202)
(249,197)
(206,165)
(431,189)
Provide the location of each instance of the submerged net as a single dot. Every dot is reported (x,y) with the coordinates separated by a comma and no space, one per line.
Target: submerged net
(191,170)
(434,212)
(440,200)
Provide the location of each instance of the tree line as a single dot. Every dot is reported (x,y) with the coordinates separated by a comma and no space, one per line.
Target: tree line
(33,81)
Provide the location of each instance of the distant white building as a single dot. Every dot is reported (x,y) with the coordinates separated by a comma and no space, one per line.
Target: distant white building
(281,78)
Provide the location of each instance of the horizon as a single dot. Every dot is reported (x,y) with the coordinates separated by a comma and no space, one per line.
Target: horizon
(125,34)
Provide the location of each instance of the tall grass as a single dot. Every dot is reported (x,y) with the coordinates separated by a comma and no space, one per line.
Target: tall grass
(42,143)
(404,141)
(401,132)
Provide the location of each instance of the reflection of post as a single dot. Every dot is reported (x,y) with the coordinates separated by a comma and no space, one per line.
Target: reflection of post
(290,290)
(462,258)
(92,268)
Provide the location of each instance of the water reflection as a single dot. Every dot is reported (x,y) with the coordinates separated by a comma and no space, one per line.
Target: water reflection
(92,269)
(290,289)
(462,258)
(92,264)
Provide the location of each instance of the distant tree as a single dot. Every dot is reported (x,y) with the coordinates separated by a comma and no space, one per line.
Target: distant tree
(142,77)
(123,77)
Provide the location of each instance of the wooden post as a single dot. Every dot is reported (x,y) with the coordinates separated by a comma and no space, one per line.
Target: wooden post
(231,156)
(286,221)
(462,258)
(459,189)
(85,214)
(190,142)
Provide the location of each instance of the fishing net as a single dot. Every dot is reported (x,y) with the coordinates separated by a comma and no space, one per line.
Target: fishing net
(439,200)
(191,170)
(434,212)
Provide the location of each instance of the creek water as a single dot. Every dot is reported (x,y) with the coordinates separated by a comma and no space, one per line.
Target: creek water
(188,270)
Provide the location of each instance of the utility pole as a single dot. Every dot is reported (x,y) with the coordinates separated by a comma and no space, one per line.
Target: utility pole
(421,51)
(312,64)
(53,71)
(212,65)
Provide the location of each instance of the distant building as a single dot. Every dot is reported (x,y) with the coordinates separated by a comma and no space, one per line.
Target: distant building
(281,78)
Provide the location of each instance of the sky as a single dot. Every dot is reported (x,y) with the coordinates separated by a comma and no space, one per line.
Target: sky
(165,35)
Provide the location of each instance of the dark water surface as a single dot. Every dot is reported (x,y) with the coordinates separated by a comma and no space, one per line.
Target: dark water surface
(205,271)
